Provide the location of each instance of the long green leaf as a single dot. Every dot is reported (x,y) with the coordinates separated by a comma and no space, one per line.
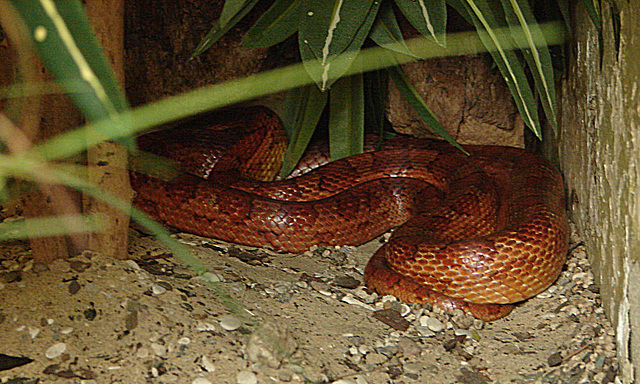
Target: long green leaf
(346,119)
(501,48)
(520,18)
(331,34)
(50,226)
(304,106)
(275,25)
(411,95)
(67,45)
(595,13)
(232,12)
(386,32)
(429,17)
(375,91)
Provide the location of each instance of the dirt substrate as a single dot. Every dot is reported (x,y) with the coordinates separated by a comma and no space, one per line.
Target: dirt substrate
(307,318)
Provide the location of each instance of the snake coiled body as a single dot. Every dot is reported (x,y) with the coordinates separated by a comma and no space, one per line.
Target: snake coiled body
(477,232)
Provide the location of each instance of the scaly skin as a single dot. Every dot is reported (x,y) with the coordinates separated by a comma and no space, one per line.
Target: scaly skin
(478,233)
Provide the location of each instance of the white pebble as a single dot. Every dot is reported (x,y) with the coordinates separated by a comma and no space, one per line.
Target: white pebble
(203,326)
(434,324)
(33,332)
(352,300)
(66,330)
(158,349)
(230,322)
(212,277)
(55,350)
(158,289)
(344,381)
(201,380)
(246,377)
(132,264)
(425,331)
(207,364)
(142,353)
(184,341)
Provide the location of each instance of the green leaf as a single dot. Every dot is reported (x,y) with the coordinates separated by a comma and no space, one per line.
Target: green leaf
(68,47)
(595,13)
(232,12)
(429,17)
(375,91)
(274,26)
(526,33)
(302,113)
(508,62)
(50,226)
(346,117)
(330,28)
(411,95)
(386,32)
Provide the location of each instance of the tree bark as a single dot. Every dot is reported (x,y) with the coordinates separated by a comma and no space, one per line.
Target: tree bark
(108,161)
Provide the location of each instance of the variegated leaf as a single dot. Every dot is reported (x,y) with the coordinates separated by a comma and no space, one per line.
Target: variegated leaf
(386,31)
(332,32)
(274,26)
(508,62)
(429,17)
(526,33)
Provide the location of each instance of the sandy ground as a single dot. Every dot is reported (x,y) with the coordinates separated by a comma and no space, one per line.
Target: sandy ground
(300,318)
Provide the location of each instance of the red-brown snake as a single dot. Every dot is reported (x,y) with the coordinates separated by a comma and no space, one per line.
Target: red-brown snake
(477,232)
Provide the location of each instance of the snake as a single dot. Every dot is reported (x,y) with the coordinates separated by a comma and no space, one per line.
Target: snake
(480,230)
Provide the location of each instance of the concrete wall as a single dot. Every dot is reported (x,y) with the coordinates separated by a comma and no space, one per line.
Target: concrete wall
(599,155)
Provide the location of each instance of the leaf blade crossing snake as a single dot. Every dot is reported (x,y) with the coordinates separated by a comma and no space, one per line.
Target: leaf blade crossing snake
(477,233)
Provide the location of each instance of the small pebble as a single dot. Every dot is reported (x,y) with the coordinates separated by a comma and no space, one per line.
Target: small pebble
(207,364)
(201,380)
(55,350)
(184,341)
(204,326)
(555,359)
(158,289)
(158,349)
(142,353)
(230,322)
(132,264)
(425,331)
(346,282)
(434,324)
(246,377)
(33,332)
(352,300)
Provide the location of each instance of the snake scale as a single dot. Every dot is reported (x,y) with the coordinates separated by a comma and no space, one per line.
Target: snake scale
(478,232)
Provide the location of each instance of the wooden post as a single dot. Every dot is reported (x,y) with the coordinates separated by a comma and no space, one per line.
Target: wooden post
(108,161)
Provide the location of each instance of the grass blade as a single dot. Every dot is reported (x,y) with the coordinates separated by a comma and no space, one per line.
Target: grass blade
(67,45)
